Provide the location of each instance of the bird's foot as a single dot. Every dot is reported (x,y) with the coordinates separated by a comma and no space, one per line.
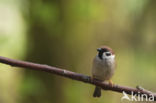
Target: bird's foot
(110,83)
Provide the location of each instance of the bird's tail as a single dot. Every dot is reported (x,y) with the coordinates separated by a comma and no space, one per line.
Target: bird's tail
(97,92)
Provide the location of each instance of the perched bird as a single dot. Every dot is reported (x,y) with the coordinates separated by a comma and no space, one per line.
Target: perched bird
(103,67)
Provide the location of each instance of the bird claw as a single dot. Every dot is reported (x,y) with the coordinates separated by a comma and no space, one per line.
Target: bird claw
(110,83)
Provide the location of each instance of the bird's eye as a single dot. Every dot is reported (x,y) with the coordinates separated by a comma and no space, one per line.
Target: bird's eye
(108,53)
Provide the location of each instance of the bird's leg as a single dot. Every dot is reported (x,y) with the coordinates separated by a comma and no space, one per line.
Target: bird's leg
(110,83)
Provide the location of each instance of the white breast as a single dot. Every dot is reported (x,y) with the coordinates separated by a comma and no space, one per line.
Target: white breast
(103,69)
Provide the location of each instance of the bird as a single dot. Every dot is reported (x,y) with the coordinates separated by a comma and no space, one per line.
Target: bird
(103,67)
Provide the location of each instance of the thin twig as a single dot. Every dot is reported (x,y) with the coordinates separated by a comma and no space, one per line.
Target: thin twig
(74,76)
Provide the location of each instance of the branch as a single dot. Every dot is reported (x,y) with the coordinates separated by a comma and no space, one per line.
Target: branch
(76,76)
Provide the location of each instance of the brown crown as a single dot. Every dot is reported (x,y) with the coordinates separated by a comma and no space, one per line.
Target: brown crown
(107,48)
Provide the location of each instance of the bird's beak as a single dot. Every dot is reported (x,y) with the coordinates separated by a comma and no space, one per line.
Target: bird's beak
(98,49)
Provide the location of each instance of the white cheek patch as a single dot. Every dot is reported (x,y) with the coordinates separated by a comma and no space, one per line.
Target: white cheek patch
(113,56)
(108,57)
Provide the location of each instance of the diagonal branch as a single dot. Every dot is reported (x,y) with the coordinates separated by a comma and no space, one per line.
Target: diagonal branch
(76,76)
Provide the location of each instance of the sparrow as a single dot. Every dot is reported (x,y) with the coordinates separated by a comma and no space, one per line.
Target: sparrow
(103,67)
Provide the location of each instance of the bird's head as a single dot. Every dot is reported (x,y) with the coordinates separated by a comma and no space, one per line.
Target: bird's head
(105,52)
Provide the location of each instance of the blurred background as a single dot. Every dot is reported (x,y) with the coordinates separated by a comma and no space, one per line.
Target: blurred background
(65,34)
